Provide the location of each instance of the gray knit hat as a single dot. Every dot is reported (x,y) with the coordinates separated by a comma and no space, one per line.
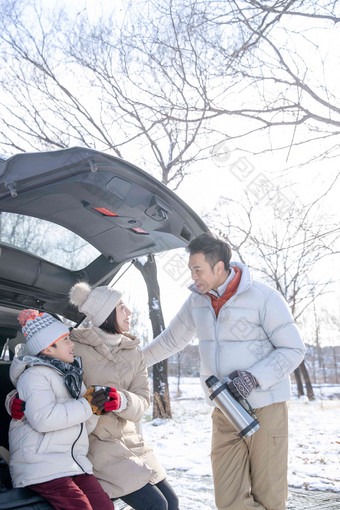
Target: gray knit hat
(40,329)
(97,304)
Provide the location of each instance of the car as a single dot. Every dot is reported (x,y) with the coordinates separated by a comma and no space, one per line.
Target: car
(73,215)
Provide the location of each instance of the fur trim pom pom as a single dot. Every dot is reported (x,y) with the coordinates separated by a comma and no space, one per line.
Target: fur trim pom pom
(79,293)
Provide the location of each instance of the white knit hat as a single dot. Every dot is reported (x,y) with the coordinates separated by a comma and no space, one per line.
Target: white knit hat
(40,329)
(97,304)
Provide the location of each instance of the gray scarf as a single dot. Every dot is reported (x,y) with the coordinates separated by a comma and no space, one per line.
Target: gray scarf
(72,372)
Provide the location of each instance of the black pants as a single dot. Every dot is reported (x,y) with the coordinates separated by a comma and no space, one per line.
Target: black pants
(153,497)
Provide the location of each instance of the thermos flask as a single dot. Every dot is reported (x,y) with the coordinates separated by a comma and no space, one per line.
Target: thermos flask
(244,422)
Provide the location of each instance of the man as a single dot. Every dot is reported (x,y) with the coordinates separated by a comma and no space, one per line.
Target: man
(246,333)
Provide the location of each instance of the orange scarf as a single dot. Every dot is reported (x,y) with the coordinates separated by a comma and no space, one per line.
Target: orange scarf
(218,302)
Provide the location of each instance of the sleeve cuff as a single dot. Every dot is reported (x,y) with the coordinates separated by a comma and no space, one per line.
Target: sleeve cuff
(123,403)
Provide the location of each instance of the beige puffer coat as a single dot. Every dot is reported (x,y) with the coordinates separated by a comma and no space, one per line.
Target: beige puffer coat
(122,461)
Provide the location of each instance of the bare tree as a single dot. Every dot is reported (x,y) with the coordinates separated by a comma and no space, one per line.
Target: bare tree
(23,232)
(72,83)
(161,403)
(317,335)
(333,321)
(46,240)
(224,69)
(173,79)
(139,324)
(253,66)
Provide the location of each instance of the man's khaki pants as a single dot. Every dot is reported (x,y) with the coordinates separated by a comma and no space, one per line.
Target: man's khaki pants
(251,473)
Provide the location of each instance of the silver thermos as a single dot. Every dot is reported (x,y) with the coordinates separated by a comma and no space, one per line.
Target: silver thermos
(244,422)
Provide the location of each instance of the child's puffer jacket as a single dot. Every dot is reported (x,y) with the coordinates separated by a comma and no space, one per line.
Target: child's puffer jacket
(51,440)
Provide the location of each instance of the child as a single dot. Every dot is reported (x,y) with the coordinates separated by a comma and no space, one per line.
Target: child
(48,447)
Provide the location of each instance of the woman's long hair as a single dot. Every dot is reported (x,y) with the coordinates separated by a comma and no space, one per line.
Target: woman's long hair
(110,324)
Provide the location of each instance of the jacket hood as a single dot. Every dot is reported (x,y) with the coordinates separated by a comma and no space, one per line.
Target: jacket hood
(19,365)
(245,283)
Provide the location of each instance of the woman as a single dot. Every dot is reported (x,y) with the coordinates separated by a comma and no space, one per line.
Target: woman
(123,463)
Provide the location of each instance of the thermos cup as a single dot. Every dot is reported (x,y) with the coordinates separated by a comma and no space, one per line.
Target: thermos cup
(245,423)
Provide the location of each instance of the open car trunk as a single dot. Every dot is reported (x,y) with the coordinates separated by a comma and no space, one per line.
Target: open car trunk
(88,203)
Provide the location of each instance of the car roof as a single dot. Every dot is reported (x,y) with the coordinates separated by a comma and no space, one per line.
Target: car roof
(117,208)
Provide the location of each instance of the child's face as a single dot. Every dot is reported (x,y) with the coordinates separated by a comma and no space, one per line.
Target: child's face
(63,350)
(123,317)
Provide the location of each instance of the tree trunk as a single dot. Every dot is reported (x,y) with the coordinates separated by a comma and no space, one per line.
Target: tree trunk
(309,388)
(161,397)
(335,365)
(178,374)
(297,374)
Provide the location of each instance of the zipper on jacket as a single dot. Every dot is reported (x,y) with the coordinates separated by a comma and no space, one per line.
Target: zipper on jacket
(215,339)
(227,303)
(73,457)
(217,343)
(216,319)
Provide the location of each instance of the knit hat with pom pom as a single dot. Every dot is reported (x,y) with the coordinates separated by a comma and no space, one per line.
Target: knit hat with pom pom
(40,329)
(97,304)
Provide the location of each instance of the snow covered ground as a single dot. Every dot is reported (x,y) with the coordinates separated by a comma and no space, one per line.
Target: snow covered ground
(183,443)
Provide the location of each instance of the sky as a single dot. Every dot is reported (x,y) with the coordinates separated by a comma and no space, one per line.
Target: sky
(183,444)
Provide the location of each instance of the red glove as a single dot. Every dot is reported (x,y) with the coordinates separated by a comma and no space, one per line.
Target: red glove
(16,407)
(115,402)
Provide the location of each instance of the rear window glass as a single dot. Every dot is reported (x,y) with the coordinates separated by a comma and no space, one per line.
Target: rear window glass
(47,240)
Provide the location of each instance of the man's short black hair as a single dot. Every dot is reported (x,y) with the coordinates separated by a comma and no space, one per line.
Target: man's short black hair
(213,248)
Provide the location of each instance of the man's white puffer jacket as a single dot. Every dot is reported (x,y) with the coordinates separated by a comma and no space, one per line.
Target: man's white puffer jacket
(51,440)
(254,331)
